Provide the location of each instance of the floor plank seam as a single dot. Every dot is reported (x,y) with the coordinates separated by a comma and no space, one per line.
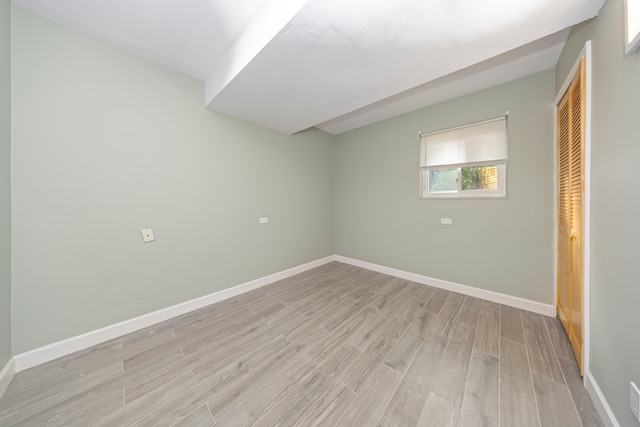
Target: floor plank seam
(533,388)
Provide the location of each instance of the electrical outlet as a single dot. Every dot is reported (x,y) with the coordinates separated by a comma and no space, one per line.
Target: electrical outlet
(147,235)
(635,401)
(263,220)
(446,221)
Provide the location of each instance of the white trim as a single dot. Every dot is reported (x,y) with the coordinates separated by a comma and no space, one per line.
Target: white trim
(555,201)
(524,304)
(62,348)
(599,401)
(586,257)
(567,81)
(6,375)
(586,243)
(631,44)
(65,347)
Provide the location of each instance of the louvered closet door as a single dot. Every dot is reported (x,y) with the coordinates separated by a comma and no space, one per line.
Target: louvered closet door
(571,127)
(564,214)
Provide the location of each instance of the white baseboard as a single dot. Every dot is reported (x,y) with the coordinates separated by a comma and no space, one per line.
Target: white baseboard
(53,351)
(6,375)
(62,348)
(601,404)
(524,304)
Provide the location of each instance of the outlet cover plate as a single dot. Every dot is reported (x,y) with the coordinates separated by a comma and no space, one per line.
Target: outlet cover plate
(147,235)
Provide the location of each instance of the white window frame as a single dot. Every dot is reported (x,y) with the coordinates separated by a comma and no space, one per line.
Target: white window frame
(631,26)
(427,163)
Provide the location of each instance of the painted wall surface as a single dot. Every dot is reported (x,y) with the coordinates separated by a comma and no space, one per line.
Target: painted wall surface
(502,245)
(615,292)
(106,143)
(5,182)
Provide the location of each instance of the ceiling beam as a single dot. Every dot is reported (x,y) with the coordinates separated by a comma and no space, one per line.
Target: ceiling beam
(531,58)
(262,29)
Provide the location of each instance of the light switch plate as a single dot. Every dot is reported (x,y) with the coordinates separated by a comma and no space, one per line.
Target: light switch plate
(263,220)
(446,221)
(147,235)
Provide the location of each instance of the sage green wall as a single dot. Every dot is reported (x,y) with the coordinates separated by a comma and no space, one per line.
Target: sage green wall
(106,143)
(501,245)
(615,144)
(5,182)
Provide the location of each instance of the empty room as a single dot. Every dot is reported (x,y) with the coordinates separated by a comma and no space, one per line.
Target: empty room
(311,212)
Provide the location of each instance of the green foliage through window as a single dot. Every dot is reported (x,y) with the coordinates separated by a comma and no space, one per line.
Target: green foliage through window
(473,178)
(480,178)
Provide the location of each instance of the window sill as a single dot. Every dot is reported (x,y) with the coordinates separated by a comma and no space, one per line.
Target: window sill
(442,197)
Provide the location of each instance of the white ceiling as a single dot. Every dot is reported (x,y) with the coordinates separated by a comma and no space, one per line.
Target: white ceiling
(333,64)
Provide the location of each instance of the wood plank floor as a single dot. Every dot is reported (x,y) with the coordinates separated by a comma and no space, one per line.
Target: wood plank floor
(334,346)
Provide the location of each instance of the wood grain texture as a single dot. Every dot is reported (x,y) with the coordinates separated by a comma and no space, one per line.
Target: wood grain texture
(559,338)
(17,408)
(554,402)
(517,399)
(233,380)
(367,363)
(41,378)
(542,357)
(261,401)
(436,302)
(581,399)
(438,412)
(418,303)
(201,417)
(511,324)
(406,405)
(385,422)
(147,404)
(481,397)
(325,347)
(451,379)
(447,318)
(78,411)
(402,354)
(488,335)
(369,405)
(295,404)
(365,335)
(336,345)
(470,311)
(247,386)
(330,407)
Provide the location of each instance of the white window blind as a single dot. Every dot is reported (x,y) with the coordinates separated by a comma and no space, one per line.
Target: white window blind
(465,161)
(477,143)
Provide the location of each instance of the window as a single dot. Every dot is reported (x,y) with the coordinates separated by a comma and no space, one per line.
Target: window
(465,161)
(632,25)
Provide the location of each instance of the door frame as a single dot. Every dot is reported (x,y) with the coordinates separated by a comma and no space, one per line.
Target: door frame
(586,256)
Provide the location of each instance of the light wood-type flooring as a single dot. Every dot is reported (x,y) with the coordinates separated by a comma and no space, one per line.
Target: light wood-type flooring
(334,346)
